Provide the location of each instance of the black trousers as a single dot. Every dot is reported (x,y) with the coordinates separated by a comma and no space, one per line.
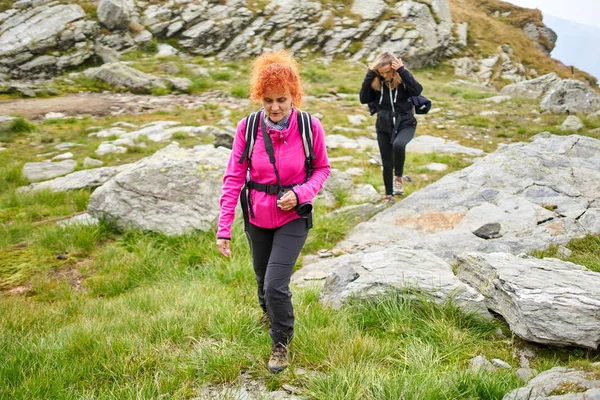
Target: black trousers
(393,153)
(274,253)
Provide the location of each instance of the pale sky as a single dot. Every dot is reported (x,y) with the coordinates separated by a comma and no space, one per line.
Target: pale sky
(581,11)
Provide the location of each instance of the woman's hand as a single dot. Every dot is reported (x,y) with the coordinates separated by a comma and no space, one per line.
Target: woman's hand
(288,201)
(223,245)
(397,63)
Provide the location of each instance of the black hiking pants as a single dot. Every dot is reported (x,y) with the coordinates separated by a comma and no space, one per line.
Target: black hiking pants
(392,142)
(274,253)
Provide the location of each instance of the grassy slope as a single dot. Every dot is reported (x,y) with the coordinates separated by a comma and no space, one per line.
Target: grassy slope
(143,315)
(490,32)
(137,315)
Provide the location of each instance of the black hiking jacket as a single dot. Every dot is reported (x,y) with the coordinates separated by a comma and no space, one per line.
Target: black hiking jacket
(402,107)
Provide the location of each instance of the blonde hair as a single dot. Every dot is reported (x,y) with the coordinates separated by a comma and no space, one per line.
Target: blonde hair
(275,71)
(383,59)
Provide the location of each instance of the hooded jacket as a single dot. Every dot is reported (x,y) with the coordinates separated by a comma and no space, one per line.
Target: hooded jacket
(289,159)
(381,96)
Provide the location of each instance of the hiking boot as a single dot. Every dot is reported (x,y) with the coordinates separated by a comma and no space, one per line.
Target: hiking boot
(279,360)
(398,188)
(388,200)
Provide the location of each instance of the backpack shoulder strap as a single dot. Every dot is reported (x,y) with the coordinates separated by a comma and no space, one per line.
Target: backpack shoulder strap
(252,124)
(305,126)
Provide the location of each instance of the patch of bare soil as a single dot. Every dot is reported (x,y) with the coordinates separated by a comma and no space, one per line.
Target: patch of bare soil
(102,104)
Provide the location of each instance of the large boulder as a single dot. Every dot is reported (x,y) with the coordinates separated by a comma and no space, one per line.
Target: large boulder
(41,171)
(570,97)
(175,191)
(534,194)
(558,96)
(545,301)
(29,35)
(533,88)
(121,76)
(116,14)
(85,179)
(366,275)
(575,384)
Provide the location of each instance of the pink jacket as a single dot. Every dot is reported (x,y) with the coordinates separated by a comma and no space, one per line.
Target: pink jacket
(289,156)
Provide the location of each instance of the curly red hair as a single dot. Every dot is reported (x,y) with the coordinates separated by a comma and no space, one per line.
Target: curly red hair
(275,71)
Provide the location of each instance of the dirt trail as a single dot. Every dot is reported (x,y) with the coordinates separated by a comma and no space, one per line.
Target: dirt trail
(98,104)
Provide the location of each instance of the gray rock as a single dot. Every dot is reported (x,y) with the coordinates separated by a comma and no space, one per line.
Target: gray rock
(120,75)
(181,84)
(368,9)
(371,274)
(564,252)
(79,220)
(464,66)
(6,123)
(544,301)
(480,363)
(357,119)
(358,212)
(488,231)
(144,38)
(433,144)
(39,171)
(108,148)
(115,14)
(438,167)
(85,179)
(364,194)
(106,54)
(165,51)
(224,138)
(540,387)
(497,99)
(338,181)
(570,96)
(40,29)
(144,197)
(526,373)
(534,88)
(501,364)
(335,141)
(64,156)
(92,162)
(571,124)
(541,193)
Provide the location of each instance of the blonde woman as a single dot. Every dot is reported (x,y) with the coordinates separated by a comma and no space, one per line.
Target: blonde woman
(387,89)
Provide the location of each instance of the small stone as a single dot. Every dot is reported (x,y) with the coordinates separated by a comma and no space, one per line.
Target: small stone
(64,156)
(526,374)
(564,252)
(479,363)
(324,254)
(291,389)
(92,162)
(501,364)
(488,231)
(300,371)
(54,115)
(357,119)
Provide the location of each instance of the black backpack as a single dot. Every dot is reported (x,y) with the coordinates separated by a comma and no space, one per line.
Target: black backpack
(253,121)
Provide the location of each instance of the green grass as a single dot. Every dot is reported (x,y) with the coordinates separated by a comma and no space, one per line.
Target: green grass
(138,315)
(18,127)
(585,251)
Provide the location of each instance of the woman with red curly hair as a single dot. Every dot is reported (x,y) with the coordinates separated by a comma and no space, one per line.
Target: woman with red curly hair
(275,229)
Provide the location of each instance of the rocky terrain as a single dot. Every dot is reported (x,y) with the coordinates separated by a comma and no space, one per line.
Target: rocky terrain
(507,163)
